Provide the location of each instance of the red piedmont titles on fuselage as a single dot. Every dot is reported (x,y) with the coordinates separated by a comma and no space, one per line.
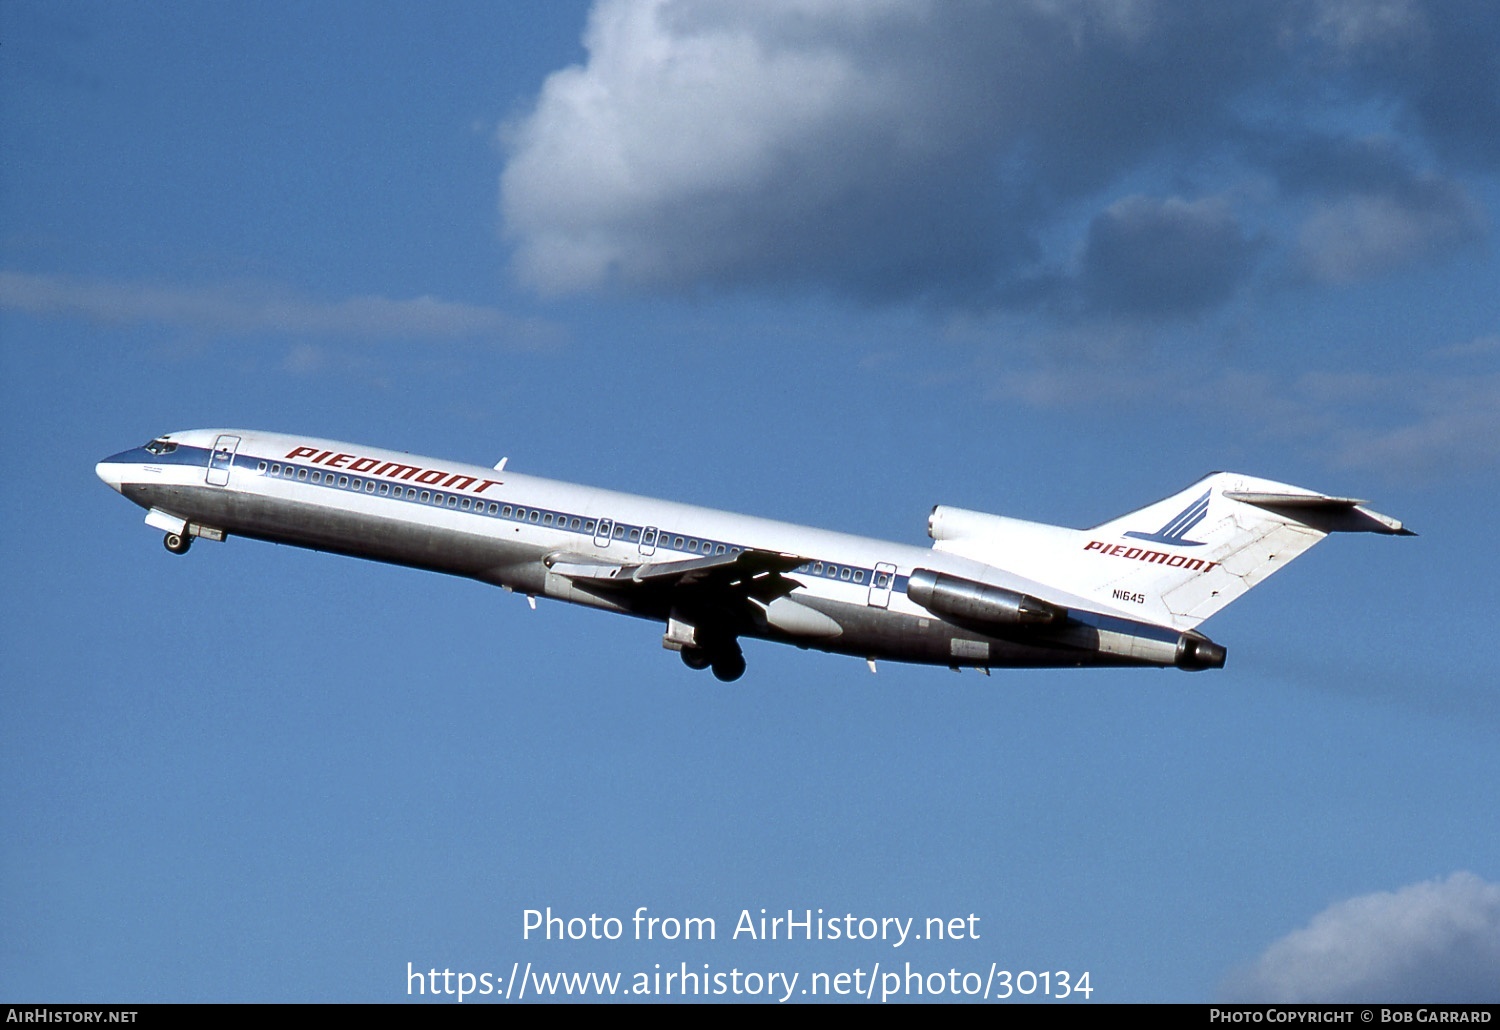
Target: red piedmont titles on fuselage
(392,470)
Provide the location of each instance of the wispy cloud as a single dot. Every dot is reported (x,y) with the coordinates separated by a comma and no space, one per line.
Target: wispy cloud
(246,308)
(1437,941)
(1361,236)
(1418,424)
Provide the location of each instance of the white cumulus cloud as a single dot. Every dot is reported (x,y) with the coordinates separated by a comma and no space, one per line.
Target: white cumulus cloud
(1437,941)
(891,150)
(1363,235)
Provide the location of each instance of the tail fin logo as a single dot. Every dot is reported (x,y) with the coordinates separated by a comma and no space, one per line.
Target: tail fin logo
(1178,525)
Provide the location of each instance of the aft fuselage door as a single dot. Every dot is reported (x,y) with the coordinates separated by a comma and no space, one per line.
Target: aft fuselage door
(221,459)
(880,586)
(601,534)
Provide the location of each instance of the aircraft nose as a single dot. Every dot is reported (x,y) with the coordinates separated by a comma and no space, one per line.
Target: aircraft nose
(110,472)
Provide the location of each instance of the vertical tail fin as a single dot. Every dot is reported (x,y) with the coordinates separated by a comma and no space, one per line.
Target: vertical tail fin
(1180,560)
(1217,539)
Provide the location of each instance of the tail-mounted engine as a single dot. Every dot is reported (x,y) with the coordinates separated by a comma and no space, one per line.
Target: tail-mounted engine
(968,601)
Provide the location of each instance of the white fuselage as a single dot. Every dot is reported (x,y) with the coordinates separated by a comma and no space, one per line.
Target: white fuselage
(709,576)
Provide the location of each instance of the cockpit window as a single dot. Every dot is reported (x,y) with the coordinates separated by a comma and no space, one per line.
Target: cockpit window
(160,447)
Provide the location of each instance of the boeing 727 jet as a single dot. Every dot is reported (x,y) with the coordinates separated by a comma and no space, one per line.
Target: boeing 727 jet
(990,592)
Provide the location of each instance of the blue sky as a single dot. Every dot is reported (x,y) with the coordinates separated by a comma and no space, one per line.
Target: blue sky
(827,262)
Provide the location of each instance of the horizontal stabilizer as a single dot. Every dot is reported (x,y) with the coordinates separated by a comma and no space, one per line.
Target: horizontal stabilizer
(1327,514)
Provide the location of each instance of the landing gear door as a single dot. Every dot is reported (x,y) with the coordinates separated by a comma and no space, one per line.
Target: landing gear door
(221,459)
(880,586)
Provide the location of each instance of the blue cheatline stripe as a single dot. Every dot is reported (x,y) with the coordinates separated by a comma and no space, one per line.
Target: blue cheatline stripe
(498,508)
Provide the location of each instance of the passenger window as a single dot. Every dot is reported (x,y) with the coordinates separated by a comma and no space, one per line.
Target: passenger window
(505,512)
(385,489)
(317,477)
(369,486)
(818,569)
(494,507)
(619,532)
(677,542)
(588,527)
(465,505)
(534,516)
(635,536)
(719,549)
(693,546)
(859,575)
(881,580)
(843,574)
(261,466)
(424,496)
(343,481)
(547,519)
(302,474)
(275,470)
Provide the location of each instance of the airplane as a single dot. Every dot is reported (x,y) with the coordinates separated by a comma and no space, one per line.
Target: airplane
(990,592)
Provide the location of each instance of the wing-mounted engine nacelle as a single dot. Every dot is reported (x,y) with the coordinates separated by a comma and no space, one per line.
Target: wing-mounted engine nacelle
(966,600)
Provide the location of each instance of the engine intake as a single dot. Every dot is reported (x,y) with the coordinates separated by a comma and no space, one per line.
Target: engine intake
(965,599)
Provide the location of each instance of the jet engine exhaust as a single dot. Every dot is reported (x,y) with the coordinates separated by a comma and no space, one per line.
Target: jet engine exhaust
(1196,652)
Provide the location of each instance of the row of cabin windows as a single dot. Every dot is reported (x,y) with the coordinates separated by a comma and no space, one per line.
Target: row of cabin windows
(373,486)
(536,516)
(829,570)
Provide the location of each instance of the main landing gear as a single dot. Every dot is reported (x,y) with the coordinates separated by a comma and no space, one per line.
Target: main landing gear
(727,661)
(177,543)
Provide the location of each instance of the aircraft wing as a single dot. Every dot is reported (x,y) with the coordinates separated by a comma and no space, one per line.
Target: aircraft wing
(726,570)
